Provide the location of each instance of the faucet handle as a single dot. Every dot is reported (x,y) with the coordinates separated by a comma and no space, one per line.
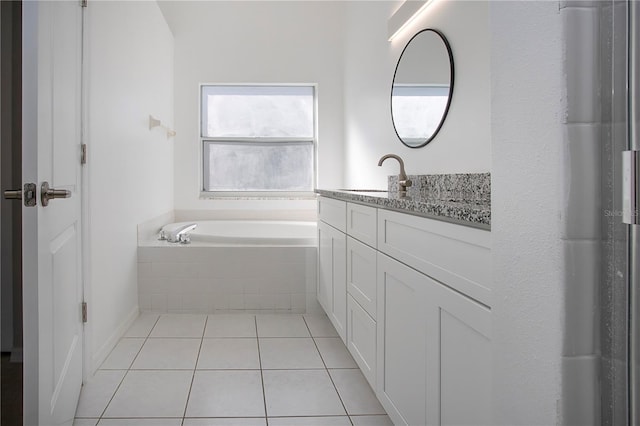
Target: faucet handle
(406,182)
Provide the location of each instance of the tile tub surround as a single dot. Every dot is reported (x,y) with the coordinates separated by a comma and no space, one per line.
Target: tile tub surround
(213,279)
(229,370)
(460,198)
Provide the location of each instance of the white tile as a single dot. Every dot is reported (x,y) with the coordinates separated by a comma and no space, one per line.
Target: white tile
(581,63)
(320,326)
(299,302)
(142,326)
(230,325)
(580,379)
(282,301)
(256,421)
(123,354)
(144,270)
(289,353)
(226,394)
(140,422)
(281,326)
(151,394)
(582,278)
(310,421)
(335,353)
(229,353)
(180,270)
(179,325)
(159,302)
(235,301)
(144,302)
(300,393)
(97,392)
(219,301)
(312,306)
(582,215)
(174,302)
(85,422)
(356,394)
(371,420)
(196,303)
(253,301)
(167,354)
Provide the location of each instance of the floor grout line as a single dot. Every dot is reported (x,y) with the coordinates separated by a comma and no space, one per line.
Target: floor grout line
(195,368)
(264,393)
(260,368)
(128,369)
(327,370)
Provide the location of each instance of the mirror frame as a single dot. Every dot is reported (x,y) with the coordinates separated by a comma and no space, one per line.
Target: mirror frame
(446,109)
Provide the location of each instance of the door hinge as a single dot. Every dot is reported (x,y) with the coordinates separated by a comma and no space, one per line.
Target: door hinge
(84,312)
(83,153)
(630,187)
(83,3)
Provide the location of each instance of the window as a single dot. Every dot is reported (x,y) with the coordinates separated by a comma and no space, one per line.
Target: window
(258,138)
(417,110)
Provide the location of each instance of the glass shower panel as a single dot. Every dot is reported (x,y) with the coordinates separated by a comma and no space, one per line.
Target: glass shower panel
(614,297)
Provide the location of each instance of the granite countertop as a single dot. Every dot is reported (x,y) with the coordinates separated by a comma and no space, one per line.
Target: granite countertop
(464,199)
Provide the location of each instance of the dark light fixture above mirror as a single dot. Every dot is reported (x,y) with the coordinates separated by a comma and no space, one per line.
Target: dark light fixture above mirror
(422,88)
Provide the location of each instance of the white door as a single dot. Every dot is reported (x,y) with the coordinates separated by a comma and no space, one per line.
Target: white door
(52,282)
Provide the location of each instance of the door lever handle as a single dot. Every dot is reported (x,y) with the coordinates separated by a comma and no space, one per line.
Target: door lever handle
(47,193)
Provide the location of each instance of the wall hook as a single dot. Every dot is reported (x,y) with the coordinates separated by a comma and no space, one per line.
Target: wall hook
(154,122)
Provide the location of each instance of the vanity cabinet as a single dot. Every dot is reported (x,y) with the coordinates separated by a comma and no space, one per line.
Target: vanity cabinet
(332,285)
(435,353)
(417,317)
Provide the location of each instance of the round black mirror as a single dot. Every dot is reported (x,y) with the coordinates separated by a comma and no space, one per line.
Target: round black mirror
(422,88)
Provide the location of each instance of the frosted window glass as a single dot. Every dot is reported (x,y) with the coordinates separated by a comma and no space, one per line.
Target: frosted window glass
(258,111)
(267,166)
(417,111)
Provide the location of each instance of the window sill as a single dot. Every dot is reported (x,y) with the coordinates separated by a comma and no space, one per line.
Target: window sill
(258,195)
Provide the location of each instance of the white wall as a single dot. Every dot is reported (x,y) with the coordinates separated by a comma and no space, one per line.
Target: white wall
(463,145)
(255,42)
(527,112)
(130,168)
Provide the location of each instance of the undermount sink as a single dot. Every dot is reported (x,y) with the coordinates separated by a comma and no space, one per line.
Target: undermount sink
(363,190)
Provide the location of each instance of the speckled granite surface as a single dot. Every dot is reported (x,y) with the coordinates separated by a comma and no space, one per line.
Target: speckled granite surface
(459,198)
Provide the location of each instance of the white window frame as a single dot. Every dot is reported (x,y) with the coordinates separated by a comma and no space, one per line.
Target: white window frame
(257,194)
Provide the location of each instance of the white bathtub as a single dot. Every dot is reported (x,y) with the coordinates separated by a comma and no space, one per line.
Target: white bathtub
(253,232)
(231,266)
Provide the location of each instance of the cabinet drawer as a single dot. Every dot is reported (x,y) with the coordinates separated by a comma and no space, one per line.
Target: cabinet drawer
(362,223)
(333,212)
(456,255)
(361,339)
(361,275)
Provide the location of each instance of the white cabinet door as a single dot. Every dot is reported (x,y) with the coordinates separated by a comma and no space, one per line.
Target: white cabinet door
(459,358)
(361,339)
(361,275)
(402,342)
(434,350)
(332,271)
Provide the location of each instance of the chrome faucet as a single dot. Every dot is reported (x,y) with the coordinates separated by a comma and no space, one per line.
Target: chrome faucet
(178,233)
(403,181)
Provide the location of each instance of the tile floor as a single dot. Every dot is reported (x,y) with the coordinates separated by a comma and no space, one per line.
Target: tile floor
(238,369)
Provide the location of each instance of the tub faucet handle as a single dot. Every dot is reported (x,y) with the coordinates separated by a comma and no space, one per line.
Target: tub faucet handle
(162,236)
(184,238)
